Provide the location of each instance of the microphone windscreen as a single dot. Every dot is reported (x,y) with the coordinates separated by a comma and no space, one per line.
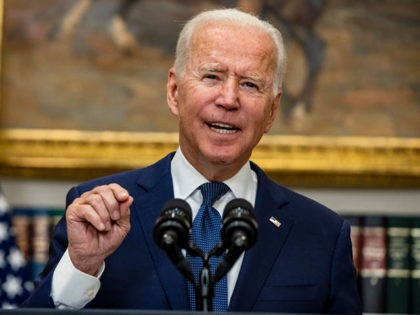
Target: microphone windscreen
(175,218)
(238,203)
(239,217)
(178,205)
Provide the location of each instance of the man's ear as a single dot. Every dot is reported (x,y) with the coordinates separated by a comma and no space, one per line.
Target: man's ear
(273,111)
(172,92)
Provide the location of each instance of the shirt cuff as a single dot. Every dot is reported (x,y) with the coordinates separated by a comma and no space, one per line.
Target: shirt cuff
(71,288)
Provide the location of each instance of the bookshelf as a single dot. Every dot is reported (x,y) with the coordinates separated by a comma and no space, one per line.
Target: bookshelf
(43,201)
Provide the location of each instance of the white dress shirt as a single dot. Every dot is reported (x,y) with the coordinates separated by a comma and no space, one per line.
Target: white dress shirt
(73,289)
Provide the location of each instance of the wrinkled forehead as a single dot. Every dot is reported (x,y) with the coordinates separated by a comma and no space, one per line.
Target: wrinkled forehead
(231,31)
(234,41)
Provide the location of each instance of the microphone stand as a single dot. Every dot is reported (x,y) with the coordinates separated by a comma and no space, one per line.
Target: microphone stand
(204,290)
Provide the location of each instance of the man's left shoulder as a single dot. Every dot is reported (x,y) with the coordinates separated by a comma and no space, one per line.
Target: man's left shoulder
(304,209)
(311,213)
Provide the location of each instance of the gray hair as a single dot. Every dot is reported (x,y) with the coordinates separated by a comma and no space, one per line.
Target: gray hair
(237,17)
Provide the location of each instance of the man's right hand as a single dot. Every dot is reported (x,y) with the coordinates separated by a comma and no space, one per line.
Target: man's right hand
(97,223)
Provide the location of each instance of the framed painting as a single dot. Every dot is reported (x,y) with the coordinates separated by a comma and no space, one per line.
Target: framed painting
(83,89)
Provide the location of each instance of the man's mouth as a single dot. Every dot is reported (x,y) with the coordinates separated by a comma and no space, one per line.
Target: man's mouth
(222,128)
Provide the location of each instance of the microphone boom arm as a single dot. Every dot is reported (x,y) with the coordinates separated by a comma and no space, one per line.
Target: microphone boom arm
(238,246)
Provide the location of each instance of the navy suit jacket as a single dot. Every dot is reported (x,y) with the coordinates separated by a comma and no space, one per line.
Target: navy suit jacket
(303,266)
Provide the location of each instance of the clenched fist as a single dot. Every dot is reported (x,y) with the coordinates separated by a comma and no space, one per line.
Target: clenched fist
(97,223)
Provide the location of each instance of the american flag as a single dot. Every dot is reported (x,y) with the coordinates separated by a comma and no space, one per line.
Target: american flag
(15,285)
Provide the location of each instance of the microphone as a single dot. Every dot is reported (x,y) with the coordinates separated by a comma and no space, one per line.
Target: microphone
(171,233)
(239,233)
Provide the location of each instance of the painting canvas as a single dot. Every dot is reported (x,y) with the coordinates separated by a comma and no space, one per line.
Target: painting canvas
(353,68)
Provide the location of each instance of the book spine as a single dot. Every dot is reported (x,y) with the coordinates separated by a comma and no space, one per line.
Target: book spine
(356,239)
(21,220)
(356,242)
(373,264)
(55,216)
(34,227)
(398,265)
(40,239)
(415,266)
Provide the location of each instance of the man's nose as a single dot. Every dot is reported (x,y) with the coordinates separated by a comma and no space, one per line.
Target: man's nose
(229,94)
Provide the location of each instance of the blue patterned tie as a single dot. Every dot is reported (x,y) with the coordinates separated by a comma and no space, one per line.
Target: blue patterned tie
(206,234)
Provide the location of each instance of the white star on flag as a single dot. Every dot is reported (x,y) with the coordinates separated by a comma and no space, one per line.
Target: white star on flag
(13,273)
(16,259)
(12,286)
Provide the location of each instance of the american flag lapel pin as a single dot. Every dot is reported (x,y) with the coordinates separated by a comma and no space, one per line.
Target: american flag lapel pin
(276,222)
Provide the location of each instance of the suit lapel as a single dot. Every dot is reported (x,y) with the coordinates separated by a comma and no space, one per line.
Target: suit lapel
(259,260)
(155,189)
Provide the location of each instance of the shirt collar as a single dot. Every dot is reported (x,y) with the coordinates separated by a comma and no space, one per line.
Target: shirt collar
(187,179)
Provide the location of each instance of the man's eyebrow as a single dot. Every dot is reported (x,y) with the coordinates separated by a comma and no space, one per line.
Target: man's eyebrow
(212,67)
(253,77)
(218,68)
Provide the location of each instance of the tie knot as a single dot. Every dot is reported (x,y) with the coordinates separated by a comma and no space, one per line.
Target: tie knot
(213,191)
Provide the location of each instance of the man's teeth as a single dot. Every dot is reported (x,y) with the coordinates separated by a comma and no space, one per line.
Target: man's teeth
(223,128)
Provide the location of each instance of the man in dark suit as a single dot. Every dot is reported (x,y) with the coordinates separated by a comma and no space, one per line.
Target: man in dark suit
(225,89)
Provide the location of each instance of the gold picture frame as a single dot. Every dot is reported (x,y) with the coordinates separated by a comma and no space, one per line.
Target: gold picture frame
(293,160)
(298,161)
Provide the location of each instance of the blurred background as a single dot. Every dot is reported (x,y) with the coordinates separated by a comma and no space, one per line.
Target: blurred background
(353,66)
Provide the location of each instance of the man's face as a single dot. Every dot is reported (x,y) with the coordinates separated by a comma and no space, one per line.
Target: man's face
(224,101)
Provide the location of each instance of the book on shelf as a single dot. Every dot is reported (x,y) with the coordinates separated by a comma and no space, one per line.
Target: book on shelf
(415,266)
(33,234)
(356,238)
(40,239)
(386,253)
(373,264)
(22,225)
(398,265)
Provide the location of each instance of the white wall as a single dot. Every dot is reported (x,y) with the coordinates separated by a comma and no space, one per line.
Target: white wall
(46,193)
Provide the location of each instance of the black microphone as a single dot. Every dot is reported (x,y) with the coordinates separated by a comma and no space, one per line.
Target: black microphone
(239,233)
(171,233)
